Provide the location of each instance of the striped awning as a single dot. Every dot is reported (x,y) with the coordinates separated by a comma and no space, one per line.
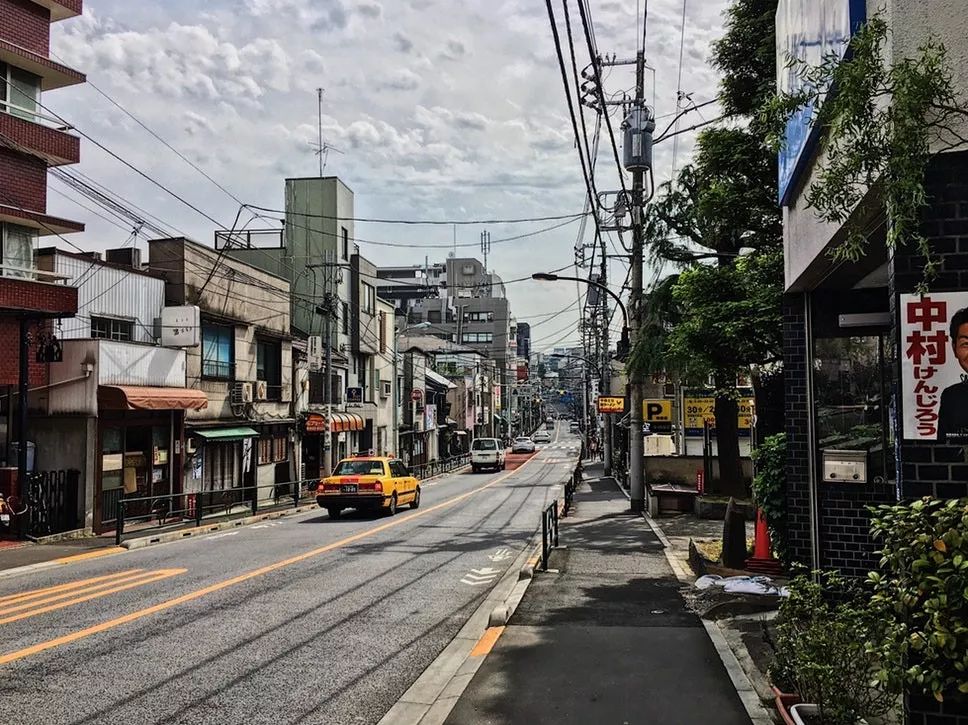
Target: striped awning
(316,423)
(346,421)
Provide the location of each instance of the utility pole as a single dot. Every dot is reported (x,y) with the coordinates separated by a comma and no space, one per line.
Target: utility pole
(638,158)
(605,376)
(328,311)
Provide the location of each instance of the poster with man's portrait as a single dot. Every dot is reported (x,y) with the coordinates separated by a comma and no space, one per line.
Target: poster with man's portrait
(934,367)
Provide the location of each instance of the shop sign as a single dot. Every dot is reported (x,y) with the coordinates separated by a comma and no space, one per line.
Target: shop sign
(934,366)
(697,410)
(430,417)
(808,31)
(657,410)
(416,394)
(354,396)
(197,464)
(315,424)
(611,404)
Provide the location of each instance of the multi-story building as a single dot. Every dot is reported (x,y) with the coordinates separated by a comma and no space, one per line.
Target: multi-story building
(405,286)
(243,364)
(114,409)
(31,141)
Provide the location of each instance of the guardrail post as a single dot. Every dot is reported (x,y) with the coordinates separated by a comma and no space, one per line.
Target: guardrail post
(198,508)
(118,521)
(554,516)
(255,500)
(296,493)
(544,540)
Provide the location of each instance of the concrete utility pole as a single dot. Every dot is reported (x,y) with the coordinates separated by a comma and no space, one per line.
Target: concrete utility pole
(605,374)
(638,125)
(328,311)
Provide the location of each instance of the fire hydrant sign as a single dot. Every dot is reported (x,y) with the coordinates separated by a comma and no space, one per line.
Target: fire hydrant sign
(934,366)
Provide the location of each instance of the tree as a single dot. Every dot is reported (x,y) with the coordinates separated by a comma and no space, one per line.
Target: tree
(728,306)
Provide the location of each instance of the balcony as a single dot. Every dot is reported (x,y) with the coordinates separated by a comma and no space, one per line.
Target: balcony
(45,224)
(62,9)
(52,74)
(44,297)
(34,135)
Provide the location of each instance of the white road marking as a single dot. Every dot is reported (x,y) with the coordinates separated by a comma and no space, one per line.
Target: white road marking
(477,577)
(501,554)
(227,533)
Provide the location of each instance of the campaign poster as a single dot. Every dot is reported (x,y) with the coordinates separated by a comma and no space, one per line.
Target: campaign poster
(934,367)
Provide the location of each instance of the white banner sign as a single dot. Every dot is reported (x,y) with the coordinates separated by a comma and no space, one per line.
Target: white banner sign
(934,366)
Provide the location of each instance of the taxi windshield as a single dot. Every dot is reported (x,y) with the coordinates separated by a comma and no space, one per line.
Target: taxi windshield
(359,468)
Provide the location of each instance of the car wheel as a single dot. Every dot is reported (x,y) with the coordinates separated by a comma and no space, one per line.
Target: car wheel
(415,504)
(334,513)
(392,511)
(474,469)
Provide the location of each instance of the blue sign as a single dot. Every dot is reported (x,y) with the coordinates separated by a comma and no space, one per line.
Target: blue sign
(808,30)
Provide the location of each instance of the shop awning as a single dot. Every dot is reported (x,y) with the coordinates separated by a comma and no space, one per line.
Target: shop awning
(224,434)
(346,421)
(130,397)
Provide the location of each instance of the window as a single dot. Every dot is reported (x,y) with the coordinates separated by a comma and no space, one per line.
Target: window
(18,250)
(484,444)
(218,352)
(478,337)
(398,470)
(220,466)
(268,367)
(479,317)
(360,467)
(382,331)
(345,310)
(346,242)
(273,449)
(368,298)
(108,328)
(433,316)
(414,318)
(20,92)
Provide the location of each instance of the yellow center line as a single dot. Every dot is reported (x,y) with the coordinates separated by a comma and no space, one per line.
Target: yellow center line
(122,578)
(148,578)
(233,581)
(487,641)
(14,598)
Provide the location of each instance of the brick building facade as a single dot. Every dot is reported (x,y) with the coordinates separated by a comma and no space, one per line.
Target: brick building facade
(31,141)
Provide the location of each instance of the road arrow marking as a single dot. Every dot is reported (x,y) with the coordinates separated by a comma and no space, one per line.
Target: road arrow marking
(475,584)
(501,554)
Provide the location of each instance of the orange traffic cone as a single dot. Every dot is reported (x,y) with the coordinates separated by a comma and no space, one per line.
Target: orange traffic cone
(762,561)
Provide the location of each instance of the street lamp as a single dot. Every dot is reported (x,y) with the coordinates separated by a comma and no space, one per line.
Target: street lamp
(550,277)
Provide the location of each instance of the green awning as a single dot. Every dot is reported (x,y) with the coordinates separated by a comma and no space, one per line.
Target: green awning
(225,434)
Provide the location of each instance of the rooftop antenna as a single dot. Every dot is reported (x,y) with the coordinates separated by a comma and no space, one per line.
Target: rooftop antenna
(322,148)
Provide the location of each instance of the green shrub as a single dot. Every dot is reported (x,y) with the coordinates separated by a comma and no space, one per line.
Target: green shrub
(769,489)
(822,653)
(923,580)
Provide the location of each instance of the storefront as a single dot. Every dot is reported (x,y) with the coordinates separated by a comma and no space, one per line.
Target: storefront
(139,434)
(344,430)
(218,464)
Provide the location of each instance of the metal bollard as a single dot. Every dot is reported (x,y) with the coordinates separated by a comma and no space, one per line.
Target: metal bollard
(118,521)
(554,516)
(198,508)
(544,540)
(255,500)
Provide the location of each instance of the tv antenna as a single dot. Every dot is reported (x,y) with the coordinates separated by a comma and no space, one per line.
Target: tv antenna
(322,147)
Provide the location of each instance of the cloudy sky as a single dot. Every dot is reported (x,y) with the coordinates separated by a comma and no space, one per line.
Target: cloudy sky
(442,110)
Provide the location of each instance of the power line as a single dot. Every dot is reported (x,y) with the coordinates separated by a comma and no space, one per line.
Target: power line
(419,222)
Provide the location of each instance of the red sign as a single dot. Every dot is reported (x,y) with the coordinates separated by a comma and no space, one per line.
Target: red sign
(700,483)
(315,424)
(416,394)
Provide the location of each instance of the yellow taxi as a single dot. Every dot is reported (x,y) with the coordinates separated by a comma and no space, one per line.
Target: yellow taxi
(374,483)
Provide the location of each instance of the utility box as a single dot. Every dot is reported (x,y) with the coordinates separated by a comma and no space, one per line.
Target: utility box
(844,466)
(637,148)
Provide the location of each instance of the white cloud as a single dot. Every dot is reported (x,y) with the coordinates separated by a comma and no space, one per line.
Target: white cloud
(441,109)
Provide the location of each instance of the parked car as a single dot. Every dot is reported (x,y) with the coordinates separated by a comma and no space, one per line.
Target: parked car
(522,444)
(487,453)
(541,436)
(368,482)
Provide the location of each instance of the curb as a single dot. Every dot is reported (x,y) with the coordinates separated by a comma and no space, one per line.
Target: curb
(142,542)
(431,698)
(758,714)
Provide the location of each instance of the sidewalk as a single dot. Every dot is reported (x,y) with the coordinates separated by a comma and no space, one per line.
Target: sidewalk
(606,638)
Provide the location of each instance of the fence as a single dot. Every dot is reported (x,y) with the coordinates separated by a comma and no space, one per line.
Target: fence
(187,509)
(550,516)
(435,468)
(52,501)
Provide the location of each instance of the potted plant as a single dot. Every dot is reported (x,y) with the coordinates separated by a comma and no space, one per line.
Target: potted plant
(827,651)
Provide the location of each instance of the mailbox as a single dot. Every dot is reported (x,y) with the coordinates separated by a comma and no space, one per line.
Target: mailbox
(844,466)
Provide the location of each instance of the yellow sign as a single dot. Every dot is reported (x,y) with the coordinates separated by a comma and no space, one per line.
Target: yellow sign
(611,404)
(697,410)
(657,411)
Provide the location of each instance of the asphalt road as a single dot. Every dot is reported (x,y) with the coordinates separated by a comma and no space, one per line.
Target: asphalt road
(303,620)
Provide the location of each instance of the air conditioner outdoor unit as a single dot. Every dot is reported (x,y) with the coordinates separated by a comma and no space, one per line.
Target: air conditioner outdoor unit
(241,393)
(385,389)
(261,390)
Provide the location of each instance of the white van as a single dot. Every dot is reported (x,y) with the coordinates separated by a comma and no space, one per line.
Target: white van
(487,453)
